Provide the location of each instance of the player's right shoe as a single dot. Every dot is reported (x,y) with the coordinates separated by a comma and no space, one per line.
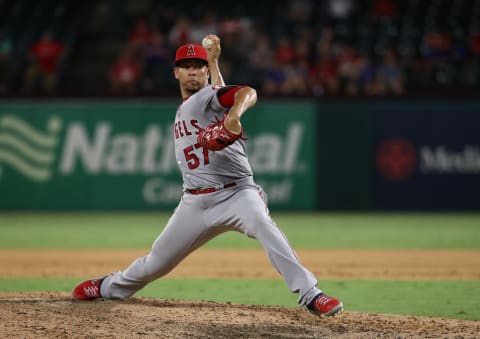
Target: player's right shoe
(324,306)
(88,290)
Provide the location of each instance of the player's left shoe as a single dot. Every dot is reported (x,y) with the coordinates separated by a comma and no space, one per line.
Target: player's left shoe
(325,306)
(88,290)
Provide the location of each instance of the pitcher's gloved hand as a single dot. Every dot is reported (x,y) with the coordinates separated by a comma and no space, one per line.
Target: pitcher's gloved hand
(216,137)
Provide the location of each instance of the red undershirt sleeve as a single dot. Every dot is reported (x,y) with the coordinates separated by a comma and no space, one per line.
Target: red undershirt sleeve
(226,95)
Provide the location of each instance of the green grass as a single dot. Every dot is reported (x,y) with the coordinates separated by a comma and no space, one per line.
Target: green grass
(315,230)
(450,299)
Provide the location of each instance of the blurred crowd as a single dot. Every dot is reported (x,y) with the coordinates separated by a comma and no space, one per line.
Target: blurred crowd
(308,55)
(298,63)
(41,67)
(303,49)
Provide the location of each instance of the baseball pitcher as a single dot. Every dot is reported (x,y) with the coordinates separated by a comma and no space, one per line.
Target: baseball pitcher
(220,193)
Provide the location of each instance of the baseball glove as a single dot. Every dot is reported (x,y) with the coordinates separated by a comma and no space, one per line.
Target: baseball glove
(216,137)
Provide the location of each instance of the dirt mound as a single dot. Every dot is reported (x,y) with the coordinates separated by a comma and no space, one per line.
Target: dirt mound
(55,315)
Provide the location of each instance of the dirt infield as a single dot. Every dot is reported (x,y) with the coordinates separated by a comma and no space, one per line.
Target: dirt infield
(251,263)
(55,315)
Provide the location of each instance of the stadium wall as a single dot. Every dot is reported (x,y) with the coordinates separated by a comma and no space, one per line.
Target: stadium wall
(328,155)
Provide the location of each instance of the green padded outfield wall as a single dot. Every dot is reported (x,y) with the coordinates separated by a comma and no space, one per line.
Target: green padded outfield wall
(101,155)
(345,155)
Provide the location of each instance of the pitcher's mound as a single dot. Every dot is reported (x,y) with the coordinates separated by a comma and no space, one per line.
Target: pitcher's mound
(49,315)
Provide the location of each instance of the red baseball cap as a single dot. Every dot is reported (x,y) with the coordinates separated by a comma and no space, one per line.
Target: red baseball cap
(191,51)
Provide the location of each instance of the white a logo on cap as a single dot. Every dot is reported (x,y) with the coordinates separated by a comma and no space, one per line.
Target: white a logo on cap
(191,50)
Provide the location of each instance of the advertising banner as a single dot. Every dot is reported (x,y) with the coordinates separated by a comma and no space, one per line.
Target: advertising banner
(427,156)
(120,155)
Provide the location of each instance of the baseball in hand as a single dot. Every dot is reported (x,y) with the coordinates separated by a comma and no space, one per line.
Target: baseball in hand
(207,42)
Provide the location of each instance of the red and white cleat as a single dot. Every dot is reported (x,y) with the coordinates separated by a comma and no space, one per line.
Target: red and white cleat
(325,306)
(87,290)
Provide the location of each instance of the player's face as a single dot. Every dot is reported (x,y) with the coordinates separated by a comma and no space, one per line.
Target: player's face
(192,75)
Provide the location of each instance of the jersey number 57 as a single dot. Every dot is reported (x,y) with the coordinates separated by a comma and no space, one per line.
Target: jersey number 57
(193,161)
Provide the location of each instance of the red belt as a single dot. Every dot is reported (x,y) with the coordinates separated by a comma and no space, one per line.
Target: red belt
(210,189)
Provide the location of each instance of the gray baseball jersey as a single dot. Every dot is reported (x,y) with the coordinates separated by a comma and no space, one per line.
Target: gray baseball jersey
(227,199)
(202,168)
